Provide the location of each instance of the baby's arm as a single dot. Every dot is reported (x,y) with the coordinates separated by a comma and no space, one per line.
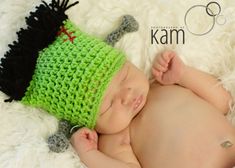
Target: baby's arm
(169,69)
(207,87)
(85,144)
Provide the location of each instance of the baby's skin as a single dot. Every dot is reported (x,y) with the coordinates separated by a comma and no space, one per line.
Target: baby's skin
(177,121)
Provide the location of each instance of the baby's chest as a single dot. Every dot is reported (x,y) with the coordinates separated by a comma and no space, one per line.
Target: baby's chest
(114,143)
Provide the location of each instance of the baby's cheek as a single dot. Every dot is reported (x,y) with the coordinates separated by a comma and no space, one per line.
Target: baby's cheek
(121,120)
(100,125)
(104,125)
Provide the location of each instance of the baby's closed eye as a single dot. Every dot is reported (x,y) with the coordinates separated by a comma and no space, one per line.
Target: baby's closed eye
(126,74)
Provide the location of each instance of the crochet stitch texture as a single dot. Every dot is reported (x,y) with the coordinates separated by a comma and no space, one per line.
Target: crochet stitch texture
(72,74)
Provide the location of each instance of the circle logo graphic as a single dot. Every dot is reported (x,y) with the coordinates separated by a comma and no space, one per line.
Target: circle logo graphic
(213,10)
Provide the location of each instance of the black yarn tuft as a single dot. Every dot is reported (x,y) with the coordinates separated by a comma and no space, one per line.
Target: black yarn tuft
(18,64)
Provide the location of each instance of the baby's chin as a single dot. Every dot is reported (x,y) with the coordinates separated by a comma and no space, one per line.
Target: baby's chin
(109,131)
(112,129)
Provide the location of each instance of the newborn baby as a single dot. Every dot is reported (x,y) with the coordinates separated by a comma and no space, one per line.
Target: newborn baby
(178,120)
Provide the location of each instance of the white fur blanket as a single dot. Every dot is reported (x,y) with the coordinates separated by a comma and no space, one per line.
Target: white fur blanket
(23,130)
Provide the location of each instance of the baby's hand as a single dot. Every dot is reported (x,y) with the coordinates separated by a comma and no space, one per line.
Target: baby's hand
(84,140)
(168,68)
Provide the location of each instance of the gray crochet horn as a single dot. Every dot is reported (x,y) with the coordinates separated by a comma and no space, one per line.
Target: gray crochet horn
(129,24)
(59,142)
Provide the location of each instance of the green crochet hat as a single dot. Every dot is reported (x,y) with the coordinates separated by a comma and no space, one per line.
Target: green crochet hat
(70,74)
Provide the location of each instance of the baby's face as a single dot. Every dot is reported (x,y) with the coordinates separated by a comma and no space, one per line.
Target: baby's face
(123,99)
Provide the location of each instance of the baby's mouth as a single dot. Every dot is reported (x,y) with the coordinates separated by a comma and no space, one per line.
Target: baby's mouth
(138,101)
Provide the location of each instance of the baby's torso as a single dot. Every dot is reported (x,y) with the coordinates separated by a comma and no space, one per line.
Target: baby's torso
(176,128)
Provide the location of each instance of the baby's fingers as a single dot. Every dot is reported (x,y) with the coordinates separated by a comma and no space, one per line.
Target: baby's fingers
(93,136)
(162,61)
(168,55)
(160,64)
(157,74)
(161,68)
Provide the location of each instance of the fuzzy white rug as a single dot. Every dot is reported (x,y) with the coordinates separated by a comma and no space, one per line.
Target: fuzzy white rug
(23,130)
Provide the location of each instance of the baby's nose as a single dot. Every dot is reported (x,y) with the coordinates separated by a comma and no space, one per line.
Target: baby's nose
(127,98)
